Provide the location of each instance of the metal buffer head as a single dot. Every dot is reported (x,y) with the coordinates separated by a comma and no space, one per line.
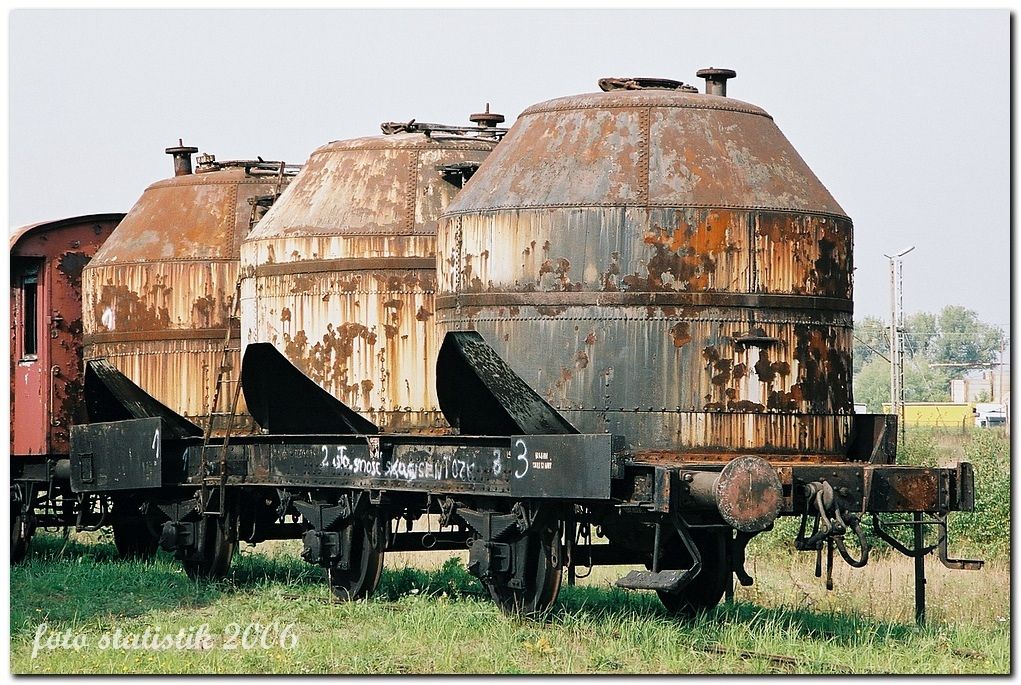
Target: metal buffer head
(747,493)
(182,157)
(716,80)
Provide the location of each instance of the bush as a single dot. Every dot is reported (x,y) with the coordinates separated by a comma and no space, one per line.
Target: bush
(987,529)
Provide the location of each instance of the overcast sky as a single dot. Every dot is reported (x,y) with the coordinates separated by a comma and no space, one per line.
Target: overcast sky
(903,115)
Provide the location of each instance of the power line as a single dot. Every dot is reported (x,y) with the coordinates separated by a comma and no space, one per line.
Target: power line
(872,348)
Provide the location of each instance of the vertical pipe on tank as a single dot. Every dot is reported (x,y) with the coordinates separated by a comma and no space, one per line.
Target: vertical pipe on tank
(182,157)
(716,80)
(487,122)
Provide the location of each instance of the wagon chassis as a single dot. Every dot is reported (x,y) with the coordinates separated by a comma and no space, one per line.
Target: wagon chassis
(523,504)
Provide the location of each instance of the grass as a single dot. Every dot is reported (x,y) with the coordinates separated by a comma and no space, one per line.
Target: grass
(433,618)
(430,616)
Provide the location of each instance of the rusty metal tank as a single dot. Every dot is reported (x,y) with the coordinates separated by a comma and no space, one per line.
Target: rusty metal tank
(157,297)
(340,274)
(660,263)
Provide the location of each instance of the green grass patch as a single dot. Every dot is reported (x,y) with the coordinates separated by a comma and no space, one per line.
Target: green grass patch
(440,621)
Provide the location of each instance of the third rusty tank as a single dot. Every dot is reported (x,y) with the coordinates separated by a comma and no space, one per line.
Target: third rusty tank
(340,274)
(159,294)
(660,263)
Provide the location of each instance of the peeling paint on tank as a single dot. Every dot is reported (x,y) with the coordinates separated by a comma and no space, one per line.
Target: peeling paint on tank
(359,224)
(158,295)
(681,333)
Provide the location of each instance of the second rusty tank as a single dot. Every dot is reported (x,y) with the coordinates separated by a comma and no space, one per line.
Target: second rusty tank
(340,274)
(687,275)
(158,296)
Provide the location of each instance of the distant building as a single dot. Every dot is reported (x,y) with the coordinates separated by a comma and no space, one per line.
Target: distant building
(987,385)
(936,414)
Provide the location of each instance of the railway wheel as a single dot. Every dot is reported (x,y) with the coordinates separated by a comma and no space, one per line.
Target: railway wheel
(131,533)
(22,527)
(706,590)
(364,566)
(542,574)
(211,558)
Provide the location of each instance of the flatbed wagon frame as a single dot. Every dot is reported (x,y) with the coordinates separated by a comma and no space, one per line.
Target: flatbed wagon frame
(523,504)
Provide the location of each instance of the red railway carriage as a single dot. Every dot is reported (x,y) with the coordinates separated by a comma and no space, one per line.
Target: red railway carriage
(46,352)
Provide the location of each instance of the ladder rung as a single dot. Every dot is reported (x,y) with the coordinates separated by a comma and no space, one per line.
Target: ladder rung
(223,377)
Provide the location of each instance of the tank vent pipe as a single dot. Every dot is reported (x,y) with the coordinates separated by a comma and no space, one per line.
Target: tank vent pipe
(487,122)
(716,80)
(182,157)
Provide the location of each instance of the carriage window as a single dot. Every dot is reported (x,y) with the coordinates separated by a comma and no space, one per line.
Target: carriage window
(30,302)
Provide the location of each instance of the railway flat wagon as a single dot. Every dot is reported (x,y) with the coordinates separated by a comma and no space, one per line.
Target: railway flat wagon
(638,341)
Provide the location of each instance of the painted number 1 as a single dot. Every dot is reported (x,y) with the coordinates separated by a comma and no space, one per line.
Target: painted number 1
(156,443)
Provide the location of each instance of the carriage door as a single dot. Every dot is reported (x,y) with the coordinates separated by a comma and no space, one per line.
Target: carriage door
(30,387)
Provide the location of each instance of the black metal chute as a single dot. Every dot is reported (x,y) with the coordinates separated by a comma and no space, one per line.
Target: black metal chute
(481,395)
(112,396)
(284,401)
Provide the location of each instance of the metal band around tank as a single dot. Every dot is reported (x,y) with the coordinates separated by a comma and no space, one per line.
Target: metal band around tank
(551,106)
(346,264)
(113,337)
(497,208)
(643,299)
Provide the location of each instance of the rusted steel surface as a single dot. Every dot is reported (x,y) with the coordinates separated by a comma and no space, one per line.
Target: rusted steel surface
(648,147)
(887,488)
(47,260)
(911,489)
(340,275)
(749,492)
(688,275)
(158,296)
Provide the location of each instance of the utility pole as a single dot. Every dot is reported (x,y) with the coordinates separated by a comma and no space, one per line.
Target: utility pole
(897,338)
(999,394)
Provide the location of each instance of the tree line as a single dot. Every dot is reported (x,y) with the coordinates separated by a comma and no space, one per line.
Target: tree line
(954,335)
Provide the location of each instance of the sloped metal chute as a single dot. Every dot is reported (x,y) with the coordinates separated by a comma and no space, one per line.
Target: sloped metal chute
(481,395)
(112,396)
(284,401)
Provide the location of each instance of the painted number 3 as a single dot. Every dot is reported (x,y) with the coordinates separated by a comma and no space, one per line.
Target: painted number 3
(522,458)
